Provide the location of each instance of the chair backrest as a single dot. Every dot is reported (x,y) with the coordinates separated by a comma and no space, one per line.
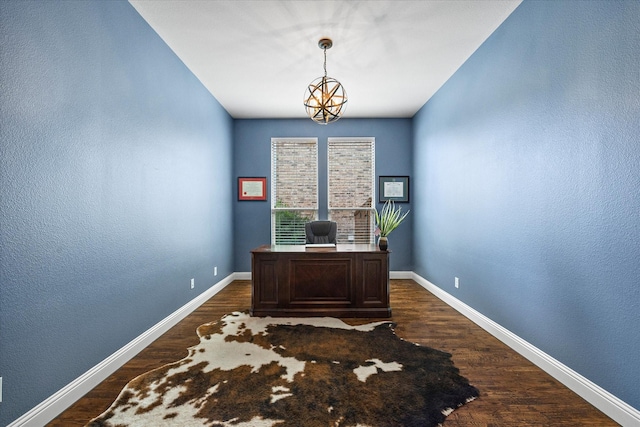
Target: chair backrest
(321,231)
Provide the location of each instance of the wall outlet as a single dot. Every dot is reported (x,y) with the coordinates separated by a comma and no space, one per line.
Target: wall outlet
(215,271)
(193,283)
(457,282)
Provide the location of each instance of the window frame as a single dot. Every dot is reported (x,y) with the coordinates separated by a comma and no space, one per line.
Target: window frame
(357,234)
(298,215)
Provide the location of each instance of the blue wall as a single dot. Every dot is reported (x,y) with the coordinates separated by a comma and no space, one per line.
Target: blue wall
(115,165)
(252,157)
(527,165)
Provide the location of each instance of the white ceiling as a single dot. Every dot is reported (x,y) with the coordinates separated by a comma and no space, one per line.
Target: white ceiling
(257,57)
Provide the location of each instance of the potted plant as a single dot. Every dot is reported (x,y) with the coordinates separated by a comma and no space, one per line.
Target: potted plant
(387,220)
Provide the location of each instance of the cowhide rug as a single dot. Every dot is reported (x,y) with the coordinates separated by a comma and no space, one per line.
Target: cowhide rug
(295,372)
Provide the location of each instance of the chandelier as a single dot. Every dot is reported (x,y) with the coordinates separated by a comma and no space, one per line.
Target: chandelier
(325,99)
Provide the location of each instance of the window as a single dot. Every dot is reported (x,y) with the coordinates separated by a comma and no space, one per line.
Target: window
(294,188)
(351,163)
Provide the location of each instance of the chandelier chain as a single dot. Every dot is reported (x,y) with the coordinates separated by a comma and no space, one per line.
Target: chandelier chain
(325,62)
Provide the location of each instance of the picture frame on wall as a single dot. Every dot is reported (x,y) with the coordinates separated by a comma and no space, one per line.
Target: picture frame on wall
(394,188)
(252,188)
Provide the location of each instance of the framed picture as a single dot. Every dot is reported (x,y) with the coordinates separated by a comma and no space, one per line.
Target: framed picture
(252,188)
(395,188)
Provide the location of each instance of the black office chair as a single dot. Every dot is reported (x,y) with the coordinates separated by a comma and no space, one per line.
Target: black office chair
(321,232)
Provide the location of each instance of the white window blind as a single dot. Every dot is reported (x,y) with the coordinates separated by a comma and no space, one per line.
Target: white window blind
(351,175)
(294,188)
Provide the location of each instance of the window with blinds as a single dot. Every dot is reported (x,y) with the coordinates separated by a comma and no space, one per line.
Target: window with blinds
(351,174)
(294,188)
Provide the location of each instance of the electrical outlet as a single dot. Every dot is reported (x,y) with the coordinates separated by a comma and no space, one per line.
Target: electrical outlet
(193,283)
(457,282)
(215,271)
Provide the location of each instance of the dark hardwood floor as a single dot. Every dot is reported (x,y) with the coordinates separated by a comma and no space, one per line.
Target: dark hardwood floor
(513,391)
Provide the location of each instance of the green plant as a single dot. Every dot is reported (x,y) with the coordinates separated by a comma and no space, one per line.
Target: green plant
(289,225)
(389,218)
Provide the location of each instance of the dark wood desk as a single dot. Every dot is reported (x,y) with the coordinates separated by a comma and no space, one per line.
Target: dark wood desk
(342,281)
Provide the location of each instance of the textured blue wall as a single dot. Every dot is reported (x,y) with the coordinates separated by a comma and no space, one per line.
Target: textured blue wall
(115,165)
(252,157)
(527,165)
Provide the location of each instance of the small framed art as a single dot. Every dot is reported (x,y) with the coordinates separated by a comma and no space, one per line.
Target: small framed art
(395,188)
(252,188)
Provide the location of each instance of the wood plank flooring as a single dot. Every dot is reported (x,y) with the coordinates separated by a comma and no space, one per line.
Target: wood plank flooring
(513,391)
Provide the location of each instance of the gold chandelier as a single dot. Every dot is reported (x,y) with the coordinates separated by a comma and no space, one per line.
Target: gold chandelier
(325,99)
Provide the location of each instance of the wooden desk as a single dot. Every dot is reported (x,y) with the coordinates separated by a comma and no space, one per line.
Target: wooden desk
(345,281)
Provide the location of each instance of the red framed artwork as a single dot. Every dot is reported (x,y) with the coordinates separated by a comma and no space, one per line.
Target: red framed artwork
(252,188)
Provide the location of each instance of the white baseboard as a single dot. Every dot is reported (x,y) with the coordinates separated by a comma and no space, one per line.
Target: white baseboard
(401,275)
(244,275)
(65,397)
(616,409)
